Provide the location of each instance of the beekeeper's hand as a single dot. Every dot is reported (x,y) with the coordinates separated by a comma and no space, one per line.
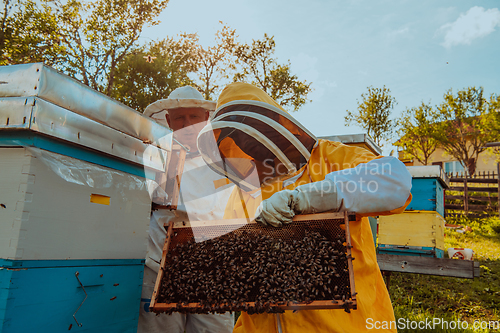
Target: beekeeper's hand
(277,210)
(311,198)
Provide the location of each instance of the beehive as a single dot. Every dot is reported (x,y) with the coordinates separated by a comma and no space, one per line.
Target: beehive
(241,266)
(74,198)
(357,140)
(61,295)
(417,233)
(428,186)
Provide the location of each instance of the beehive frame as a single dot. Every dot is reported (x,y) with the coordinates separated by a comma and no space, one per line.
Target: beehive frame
(347,302)
(170,180)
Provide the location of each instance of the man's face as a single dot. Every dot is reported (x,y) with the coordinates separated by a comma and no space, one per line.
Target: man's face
(186,124)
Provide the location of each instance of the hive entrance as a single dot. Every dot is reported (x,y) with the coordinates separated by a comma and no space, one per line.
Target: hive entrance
(255,268)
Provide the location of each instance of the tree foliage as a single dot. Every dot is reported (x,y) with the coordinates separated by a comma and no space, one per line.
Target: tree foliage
(215,63)
(175,63)
(209,69)
(30,33)
(460,129)
(416,130)
(258,66)
(6,22)
(97,42)
(373,114)
(139,82)
(99,34)
(491,123)
(84,39)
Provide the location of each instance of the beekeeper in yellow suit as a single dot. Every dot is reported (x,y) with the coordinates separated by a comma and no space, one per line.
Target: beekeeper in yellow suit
(282,170)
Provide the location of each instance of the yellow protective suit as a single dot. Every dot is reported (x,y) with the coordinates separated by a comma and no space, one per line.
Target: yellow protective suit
(373,299)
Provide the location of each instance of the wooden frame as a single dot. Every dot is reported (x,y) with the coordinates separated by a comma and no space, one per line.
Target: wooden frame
(170,180)
(346,304)
(467,269)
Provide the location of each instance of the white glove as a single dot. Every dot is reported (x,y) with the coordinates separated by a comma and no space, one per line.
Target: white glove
(310,198)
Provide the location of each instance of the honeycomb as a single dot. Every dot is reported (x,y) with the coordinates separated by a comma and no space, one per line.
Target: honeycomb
(256,268)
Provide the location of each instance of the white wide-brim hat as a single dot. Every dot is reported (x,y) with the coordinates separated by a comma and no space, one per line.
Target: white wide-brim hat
(183,97)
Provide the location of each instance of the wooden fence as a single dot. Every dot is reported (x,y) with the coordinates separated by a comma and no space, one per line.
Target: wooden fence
(476,196)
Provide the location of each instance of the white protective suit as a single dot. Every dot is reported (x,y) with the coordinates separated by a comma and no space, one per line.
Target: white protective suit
(203,196)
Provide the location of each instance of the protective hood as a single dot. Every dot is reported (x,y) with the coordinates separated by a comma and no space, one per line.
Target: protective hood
(251,139)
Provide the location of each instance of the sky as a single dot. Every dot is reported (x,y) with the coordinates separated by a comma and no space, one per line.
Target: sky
(417,49)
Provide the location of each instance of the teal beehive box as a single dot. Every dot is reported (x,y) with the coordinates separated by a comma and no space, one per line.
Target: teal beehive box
(428,185)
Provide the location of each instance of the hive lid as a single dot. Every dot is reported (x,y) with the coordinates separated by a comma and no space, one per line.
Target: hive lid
(362,139)
(35,97)
(429,171)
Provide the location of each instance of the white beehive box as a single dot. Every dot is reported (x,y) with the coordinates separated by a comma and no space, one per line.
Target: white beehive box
(45,216)
(73,169)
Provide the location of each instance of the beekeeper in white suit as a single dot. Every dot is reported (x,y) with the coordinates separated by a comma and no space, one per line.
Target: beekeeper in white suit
(203,196)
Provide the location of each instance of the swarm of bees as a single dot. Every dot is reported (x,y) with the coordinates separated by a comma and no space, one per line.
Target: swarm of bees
(256,271)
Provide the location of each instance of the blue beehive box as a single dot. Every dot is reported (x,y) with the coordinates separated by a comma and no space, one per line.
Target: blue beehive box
(72,295)
(428,186)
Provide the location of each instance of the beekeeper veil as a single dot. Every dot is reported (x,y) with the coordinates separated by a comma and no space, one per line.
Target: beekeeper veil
(251,139)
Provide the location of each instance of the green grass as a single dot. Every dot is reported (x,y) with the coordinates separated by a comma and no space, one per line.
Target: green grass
(417,297)
(445,323)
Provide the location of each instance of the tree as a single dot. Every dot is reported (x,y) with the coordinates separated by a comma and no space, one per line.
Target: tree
(258,66)
(9,6)
(373,114)
(460,129)
(491,123)
(215,62)
(153,72)
(184,61)
(30,33)
(99,34)
(416,129)
(175,63)
(9,9)
(84,39)
(96,42)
